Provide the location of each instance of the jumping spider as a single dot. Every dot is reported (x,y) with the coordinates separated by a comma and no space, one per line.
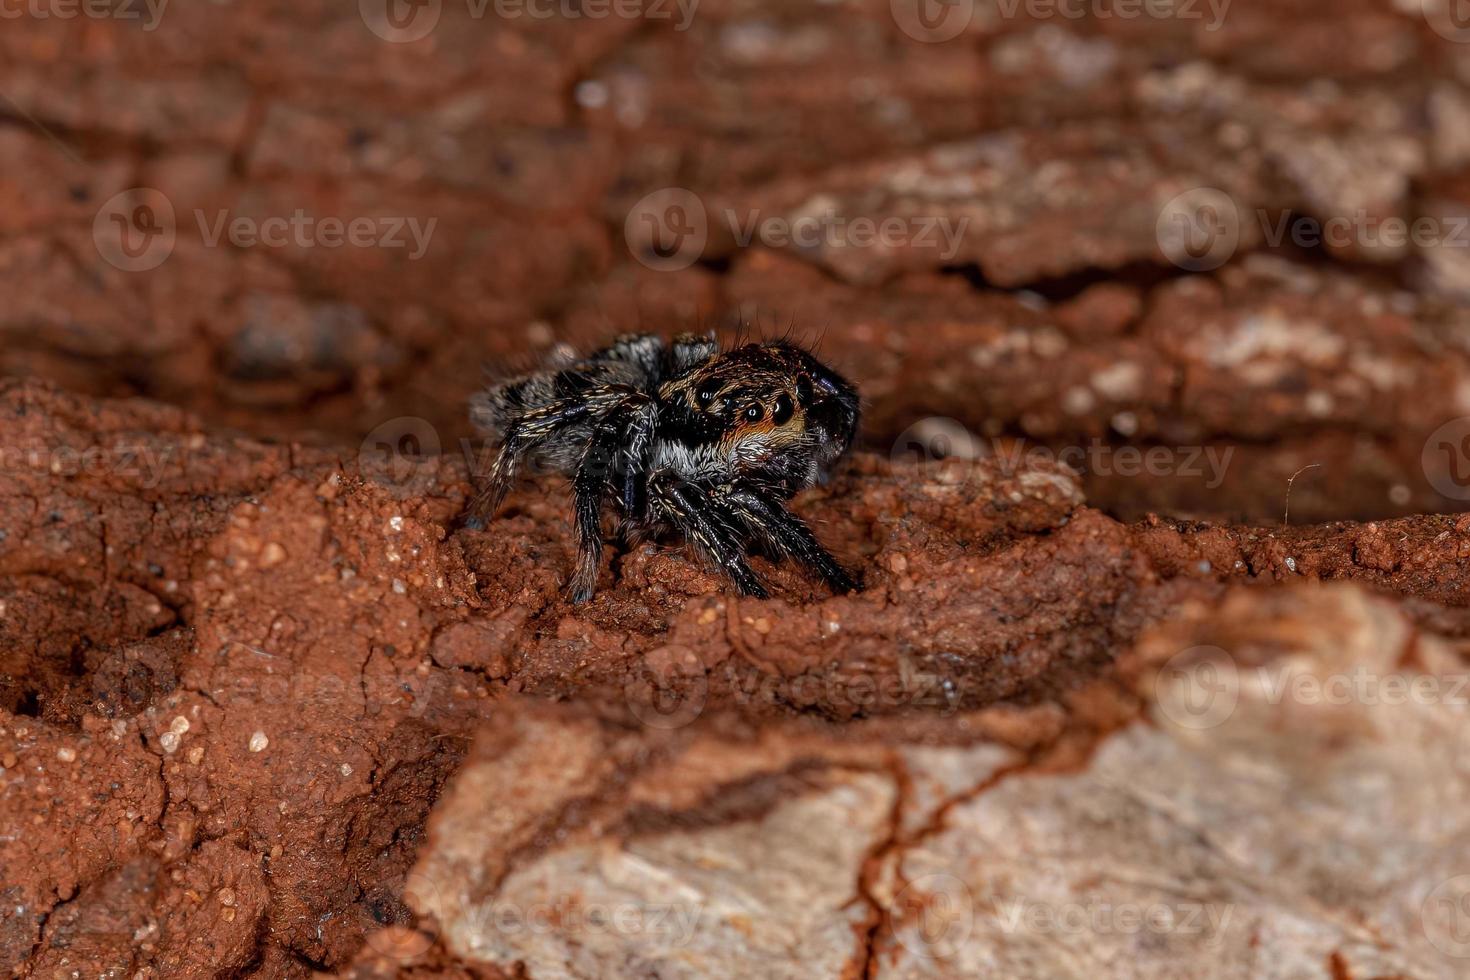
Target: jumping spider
(679,436)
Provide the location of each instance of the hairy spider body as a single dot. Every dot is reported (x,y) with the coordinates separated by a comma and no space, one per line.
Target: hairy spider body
(678,435)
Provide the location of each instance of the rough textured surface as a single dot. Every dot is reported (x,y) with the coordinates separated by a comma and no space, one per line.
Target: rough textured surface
(1120,405)
(312,644)
(692,852)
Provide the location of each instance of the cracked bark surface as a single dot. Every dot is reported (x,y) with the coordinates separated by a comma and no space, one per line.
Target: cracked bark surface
(331,647)
(1263,838)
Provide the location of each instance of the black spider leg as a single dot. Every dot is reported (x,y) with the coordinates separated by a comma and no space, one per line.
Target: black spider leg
(784,533)
(705,527)
(638,453)
(528,429)
(618,450)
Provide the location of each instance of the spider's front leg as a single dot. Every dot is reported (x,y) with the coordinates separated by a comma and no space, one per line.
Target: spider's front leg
(618,451)
(521,436)
(783,532)
(706,526)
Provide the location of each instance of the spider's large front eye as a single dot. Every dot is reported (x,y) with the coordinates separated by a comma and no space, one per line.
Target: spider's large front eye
(782,411)
(754,413)
(706,392)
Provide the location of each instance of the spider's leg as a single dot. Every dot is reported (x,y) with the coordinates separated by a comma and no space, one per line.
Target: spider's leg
(784,533)
(706,527)
(522,435)
(638,455)
(587,490)
(618,446)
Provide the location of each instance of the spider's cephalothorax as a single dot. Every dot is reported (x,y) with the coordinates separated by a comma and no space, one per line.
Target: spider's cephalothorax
(679,435)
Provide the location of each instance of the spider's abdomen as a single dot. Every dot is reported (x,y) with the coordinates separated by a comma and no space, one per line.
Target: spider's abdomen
(494,409)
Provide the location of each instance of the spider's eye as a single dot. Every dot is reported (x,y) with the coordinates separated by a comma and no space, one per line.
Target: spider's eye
(706,392)
(754,413)
(781,412)
(804,389)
